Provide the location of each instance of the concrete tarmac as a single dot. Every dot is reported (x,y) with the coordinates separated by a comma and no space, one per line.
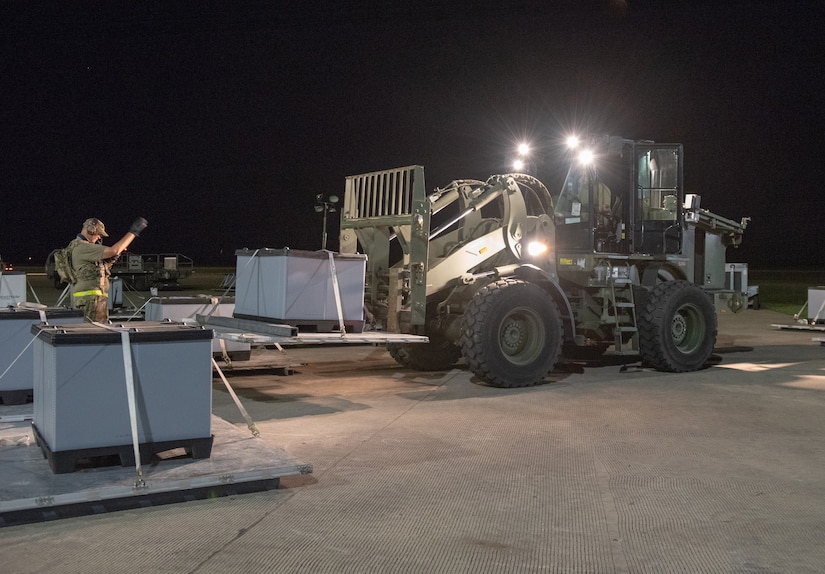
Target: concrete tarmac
(600,470)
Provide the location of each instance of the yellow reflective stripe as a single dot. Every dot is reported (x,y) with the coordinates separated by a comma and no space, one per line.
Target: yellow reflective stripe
(91,292)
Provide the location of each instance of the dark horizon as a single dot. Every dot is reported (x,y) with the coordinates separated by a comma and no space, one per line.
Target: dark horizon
(220,125)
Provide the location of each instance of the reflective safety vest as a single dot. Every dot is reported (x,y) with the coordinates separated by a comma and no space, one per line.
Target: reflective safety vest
(91,292)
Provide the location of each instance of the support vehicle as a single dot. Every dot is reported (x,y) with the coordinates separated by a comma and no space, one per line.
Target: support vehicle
(512,278)
(140,272)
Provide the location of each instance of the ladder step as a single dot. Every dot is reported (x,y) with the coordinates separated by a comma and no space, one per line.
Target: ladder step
(625,304)
(625,329)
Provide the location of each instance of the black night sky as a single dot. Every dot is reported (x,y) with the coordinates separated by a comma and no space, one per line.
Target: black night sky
(220,121)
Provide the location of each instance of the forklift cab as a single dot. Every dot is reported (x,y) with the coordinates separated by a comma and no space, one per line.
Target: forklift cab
(622,197)
(658,199)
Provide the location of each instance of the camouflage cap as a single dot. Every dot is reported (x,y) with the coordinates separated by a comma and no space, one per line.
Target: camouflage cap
(94,226)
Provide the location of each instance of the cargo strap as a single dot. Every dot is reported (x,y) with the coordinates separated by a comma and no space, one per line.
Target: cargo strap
(31,288)
(818,315)
(3,374)
(231,284)
(41,310)
(216,311)
(39,307)
(130,396)
(66,292)
(334,277)
(91,292)
(140,309)
(250,424)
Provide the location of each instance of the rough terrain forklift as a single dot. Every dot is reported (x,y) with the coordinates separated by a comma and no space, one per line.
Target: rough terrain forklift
(511,278)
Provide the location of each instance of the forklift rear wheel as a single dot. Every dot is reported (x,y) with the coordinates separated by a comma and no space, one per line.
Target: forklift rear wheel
(677,327)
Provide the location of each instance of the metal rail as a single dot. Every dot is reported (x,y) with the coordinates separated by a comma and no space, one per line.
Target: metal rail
(382,194)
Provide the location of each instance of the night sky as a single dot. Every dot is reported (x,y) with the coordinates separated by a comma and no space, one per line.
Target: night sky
(220,122)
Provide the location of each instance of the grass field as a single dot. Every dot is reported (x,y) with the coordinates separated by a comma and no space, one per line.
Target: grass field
(785,290)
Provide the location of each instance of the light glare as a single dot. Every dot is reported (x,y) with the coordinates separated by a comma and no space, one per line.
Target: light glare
(586,157)
(523,149)
(518,165)
(572,142)
(536,248)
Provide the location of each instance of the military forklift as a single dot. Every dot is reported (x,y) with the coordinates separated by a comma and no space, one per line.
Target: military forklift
(513,279)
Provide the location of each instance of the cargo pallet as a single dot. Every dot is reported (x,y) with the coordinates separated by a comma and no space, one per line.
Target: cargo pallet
(31,492)
(17,397)
(70,460)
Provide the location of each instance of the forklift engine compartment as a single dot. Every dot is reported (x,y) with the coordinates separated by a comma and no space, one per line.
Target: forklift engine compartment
(515,277)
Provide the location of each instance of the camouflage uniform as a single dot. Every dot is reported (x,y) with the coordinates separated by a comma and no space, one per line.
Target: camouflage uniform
(91,291)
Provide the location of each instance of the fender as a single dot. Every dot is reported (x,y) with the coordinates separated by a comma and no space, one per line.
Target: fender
(535,275)
(659,273)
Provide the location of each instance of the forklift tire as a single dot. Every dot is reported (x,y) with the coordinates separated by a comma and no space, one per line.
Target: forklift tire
(511,334)
(437,355)
(677,327)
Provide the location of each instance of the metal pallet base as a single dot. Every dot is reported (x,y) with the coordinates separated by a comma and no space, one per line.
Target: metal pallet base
(16,397)
(258,332)
(71,460)
(801,327)
(31,492)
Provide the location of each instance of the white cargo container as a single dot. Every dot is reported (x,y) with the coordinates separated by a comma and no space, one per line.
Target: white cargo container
(16,357)
(296,288)
(12,288)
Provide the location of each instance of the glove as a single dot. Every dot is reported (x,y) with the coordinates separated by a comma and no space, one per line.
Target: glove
(138,225)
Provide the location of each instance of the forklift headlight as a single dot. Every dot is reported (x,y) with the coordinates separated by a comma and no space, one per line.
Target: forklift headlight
(535,248)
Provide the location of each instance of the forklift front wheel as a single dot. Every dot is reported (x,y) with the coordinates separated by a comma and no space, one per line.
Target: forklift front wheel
(511,334)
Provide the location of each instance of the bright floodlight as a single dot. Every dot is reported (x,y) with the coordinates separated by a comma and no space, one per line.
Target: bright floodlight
(573,142)
(523,149)
(536,248)
(586,157)
(333,199)
(518,165)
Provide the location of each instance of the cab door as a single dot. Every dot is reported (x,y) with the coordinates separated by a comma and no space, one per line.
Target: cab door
(659,194)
